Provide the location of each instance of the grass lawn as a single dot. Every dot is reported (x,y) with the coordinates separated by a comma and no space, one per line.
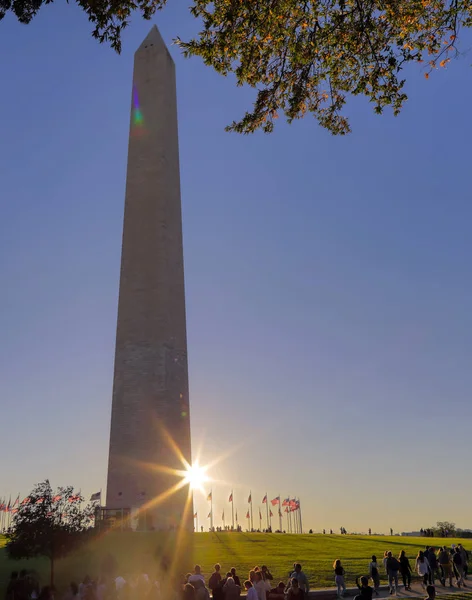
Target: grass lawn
(137,551)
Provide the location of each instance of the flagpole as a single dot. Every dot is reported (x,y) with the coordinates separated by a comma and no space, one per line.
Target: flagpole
(252,522)
(280,512)
(260,520)
(211,510)
(300,515)
(289,516)
(267,510)
(232,509)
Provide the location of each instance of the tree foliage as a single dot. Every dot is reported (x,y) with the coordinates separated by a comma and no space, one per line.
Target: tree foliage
(49,523)
(302,56)
(445,529)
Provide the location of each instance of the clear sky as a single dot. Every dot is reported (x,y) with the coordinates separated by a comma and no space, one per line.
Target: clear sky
(328,283)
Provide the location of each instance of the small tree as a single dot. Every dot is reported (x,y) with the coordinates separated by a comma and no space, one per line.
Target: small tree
(50,524)
(445,528)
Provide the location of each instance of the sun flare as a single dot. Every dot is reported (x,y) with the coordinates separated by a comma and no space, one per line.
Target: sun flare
(196,476)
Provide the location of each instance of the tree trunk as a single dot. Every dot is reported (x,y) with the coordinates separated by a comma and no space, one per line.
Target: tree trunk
(52,572)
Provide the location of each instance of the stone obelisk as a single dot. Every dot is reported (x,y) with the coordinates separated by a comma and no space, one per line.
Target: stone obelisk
(150,389)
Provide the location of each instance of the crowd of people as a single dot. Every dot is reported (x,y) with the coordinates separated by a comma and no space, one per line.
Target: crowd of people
(445,565)
(442,564)
(259,585)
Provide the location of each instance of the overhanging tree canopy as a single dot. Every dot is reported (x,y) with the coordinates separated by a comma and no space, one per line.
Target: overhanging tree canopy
(302,56)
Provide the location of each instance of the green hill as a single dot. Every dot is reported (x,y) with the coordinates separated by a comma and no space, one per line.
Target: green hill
(138,551)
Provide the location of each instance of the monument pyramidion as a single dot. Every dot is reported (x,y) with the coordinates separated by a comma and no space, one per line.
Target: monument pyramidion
(150,426)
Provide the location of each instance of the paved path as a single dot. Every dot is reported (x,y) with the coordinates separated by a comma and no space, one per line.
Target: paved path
(416,592)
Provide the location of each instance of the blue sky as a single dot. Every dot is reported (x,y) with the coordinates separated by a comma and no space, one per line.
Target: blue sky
(328,283)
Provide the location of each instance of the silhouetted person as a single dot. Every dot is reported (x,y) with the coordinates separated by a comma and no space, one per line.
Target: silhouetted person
(214,583)
(405,570)
(237,581)
(188,592)
(365,591)
(431,591)
(294,591)
(231,590)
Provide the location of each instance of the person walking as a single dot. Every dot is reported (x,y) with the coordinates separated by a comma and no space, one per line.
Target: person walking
(444,560)
(384,562)
(374,574)
(459,567)
(465,559)
(339,578)
(433,565)
(392,567)
(405,570)
(422,568)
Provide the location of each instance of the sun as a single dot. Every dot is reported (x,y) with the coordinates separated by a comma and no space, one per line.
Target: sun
(195,476)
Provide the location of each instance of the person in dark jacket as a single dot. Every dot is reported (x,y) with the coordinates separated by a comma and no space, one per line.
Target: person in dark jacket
(431,591)
(392,567)
(215,583)
(405,570)
(237,581)
(458,567)
(433,565)
(365,591)
(465,559)
(444,560)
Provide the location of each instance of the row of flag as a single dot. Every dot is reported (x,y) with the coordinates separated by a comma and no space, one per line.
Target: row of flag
(9,507)
(13,508)
(287,505)
(290,504)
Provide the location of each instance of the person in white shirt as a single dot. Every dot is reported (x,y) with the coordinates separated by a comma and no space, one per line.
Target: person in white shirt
(300,576)
(120,582)
(196,575)
(260,586)
(251,593)
(422,568)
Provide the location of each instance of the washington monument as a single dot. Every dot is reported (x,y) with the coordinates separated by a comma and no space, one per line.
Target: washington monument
(150,406)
